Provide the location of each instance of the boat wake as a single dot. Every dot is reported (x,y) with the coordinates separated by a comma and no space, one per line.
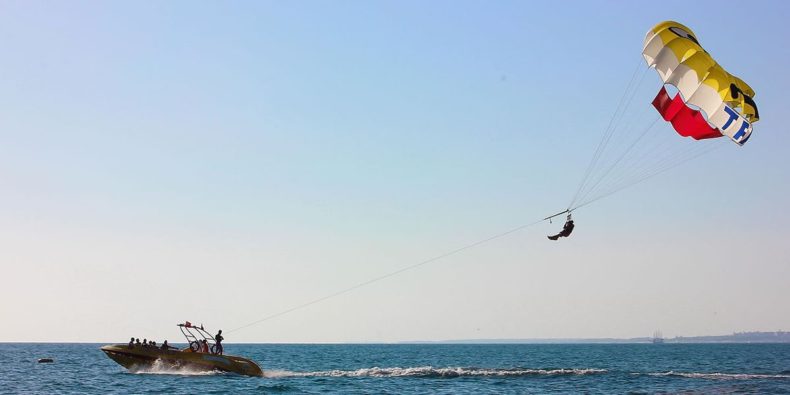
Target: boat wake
(450,372)
(721,376)
(158,367)
(428,371)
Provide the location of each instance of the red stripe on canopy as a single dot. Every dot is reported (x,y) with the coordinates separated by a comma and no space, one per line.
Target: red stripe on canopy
(686,121)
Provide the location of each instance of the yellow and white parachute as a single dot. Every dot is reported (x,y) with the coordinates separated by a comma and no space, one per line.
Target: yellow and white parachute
(725,100)
(696,95)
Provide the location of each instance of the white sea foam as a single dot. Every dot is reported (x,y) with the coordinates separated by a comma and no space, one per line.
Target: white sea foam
(720,376)
(274,374)
(158,367)
(429,371)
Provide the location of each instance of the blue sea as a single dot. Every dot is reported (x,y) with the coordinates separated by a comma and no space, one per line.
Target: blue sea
(419,369)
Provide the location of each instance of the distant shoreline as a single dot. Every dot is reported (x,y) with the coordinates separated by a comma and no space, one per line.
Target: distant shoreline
(570,341)
(778,337)
(736,338)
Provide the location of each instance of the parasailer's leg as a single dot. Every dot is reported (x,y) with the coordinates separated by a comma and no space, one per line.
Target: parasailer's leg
(555,237)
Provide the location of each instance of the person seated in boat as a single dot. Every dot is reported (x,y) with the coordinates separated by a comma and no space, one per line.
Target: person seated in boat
(137,342)
(566,229)
(204,348)
(166,346)
(218,339)
(145,342)
(152,343)
(131,343)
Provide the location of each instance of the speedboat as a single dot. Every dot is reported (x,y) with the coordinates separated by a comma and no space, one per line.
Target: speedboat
(201,355)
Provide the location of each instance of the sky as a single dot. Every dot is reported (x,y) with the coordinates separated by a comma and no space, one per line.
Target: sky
(221,162)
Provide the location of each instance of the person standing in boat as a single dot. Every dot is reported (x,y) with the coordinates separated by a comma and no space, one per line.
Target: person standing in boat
(218,340)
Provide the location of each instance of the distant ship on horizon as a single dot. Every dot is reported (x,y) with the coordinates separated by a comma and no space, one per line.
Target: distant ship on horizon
(658,337)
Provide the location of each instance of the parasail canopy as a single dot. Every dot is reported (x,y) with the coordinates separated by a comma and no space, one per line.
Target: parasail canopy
(710,101)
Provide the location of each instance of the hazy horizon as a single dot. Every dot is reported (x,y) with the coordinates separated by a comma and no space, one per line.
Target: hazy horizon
(580,340)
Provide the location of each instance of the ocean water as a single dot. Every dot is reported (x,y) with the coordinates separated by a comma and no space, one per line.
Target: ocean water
(419,369)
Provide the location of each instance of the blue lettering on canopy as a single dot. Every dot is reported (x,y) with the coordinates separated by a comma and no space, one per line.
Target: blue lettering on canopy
(733,116)
(741,131)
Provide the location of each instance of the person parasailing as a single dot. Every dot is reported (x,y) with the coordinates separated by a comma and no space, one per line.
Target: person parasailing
(566,229)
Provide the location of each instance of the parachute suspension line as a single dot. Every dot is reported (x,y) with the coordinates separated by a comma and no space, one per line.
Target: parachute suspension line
(606,134)
(652,174)
(615,128)
(641,160)
(628,159)
(592,188)
(651,169)
(673,160)
(639,155)
(595,177)
(391,274)
(663,166)
(675,156)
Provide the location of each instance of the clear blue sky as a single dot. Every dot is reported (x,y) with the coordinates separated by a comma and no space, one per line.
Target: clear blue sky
(222,161)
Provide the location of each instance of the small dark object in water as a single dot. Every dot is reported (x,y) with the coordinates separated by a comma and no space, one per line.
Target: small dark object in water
(45,360)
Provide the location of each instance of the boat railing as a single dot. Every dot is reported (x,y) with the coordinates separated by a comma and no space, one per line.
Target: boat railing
(196,334)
